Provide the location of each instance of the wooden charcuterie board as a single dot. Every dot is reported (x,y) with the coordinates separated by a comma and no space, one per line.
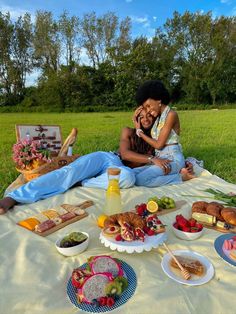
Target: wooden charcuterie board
(83,205)
(178,206)
(232,230)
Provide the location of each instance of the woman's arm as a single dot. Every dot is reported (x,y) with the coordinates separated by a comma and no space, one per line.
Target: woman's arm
(132,156)
(159,143)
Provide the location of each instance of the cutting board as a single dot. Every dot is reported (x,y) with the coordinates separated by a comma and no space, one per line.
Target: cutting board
(83,205)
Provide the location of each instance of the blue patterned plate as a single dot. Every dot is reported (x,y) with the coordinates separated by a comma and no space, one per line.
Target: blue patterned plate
(218,244)
(132,281)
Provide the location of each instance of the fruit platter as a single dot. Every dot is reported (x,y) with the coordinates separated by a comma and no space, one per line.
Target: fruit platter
(133,232)
(102,284)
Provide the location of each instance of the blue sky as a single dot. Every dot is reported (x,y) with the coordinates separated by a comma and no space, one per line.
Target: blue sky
(146,15)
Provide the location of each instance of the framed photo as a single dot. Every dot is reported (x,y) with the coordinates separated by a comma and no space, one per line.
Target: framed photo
(49,135)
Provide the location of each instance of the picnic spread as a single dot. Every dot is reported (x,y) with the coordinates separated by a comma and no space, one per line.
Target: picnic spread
(123,267)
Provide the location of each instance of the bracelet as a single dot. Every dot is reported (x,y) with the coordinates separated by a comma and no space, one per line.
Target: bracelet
(150,158)
(138,132)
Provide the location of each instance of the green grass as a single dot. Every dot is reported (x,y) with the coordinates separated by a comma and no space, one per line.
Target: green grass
(207,135)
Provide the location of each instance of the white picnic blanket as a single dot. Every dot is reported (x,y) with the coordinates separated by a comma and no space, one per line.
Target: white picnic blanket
(33,275)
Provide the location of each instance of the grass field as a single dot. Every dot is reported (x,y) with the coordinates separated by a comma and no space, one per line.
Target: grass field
(206,135)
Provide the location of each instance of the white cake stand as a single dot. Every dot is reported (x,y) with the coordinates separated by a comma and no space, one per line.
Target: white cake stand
(149,243)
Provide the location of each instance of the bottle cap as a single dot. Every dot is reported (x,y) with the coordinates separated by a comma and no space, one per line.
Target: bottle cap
(113,171)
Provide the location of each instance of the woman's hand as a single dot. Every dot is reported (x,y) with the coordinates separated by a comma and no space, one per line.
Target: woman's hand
(136,114)
(164,164)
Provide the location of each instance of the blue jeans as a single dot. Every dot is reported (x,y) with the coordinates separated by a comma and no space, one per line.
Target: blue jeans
(89,169)
(153,176)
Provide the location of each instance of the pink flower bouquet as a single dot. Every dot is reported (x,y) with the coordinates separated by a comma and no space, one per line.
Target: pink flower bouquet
(28,154)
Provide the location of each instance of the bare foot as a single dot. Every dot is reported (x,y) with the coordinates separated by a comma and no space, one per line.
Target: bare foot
(186,175)
(5,204)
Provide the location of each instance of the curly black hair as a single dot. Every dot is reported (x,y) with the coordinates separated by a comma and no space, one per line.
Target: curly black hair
(153,89)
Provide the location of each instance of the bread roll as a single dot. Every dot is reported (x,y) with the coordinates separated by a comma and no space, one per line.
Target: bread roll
(229,215)
(214,209)
(199,207)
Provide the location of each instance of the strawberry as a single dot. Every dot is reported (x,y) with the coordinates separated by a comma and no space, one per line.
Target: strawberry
(199,226)
(176,225)
(183,223)
(110,301)
(194,230)
(118,237)
(186,229)
(192,222)
(178,217)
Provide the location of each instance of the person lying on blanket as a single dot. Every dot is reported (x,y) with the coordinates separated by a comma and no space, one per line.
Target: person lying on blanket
(164,138)
(91,170)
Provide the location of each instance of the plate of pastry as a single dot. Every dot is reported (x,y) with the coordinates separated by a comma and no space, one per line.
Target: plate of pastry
(199,267)
(129,232)
(225,246)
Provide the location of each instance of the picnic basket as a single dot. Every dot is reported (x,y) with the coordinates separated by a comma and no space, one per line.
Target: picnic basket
(56,163)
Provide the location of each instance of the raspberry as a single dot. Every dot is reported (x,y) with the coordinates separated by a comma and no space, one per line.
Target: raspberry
(118,237)
(103,301)
(110,301)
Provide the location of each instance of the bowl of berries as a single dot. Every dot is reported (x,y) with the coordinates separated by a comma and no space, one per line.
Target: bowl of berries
(187,229)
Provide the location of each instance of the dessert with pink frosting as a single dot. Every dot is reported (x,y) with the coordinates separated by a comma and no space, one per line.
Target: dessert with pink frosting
(101,283)
(230,247)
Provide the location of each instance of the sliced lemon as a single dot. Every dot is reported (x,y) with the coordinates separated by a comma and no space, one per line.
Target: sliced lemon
(100,221)
(152,206)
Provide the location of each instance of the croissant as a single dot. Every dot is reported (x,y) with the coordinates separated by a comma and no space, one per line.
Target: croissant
(132,219)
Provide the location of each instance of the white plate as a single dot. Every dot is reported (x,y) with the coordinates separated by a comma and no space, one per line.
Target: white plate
(165,264)
(134,246)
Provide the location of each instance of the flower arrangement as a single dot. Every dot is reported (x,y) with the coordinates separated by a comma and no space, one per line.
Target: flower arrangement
(29,154)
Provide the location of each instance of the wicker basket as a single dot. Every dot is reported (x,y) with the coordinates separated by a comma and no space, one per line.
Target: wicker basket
(56,163)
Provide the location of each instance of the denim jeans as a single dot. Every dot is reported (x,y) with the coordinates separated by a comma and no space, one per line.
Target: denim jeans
(153,176)
(89,169)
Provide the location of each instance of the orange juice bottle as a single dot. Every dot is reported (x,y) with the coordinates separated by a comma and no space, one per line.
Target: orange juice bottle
(113,197)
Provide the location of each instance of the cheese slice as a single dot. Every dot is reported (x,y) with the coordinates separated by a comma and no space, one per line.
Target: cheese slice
(40,217)
(50,213)
(29,223)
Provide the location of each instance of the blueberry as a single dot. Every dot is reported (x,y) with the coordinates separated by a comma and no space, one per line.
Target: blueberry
(150,223)
(95,303)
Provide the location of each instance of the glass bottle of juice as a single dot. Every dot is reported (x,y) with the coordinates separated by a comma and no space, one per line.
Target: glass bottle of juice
(113,197)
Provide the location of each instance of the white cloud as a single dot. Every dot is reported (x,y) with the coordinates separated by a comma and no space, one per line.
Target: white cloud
(226,1)
(15,12)
(141,20)
(154,18)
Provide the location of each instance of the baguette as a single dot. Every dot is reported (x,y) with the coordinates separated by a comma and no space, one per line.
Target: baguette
(192,265)
(70,140)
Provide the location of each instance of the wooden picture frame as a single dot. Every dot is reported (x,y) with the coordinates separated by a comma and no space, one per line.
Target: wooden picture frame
(49,135)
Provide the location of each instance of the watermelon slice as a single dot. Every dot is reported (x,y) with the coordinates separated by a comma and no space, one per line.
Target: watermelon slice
(101,264)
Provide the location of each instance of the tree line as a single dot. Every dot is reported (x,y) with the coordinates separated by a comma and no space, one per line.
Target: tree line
(194,54)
